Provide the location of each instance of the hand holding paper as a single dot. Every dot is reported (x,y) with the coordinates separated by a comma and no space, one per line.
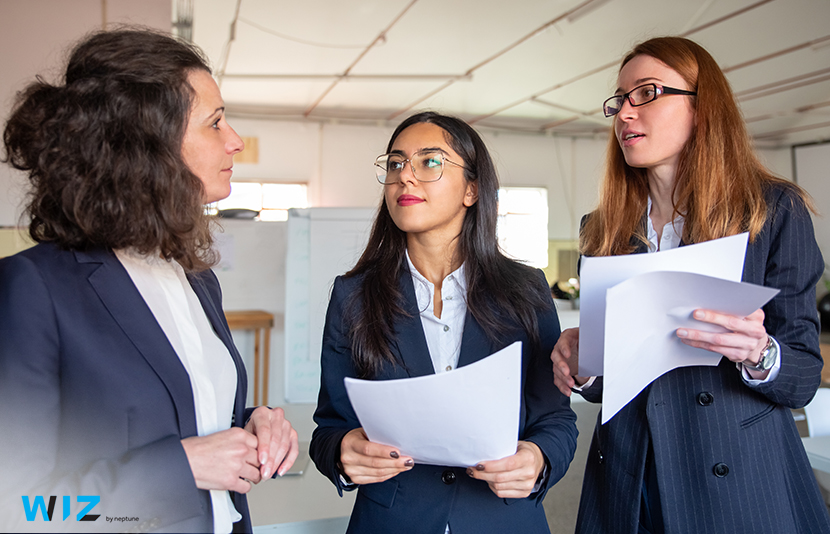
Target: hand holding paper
(744,340)
(365,462)
(457,419)
(642,344)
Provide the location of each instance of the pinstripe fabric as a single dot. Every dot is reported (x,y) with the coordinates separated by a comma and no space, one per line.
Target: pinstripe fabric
(769,487)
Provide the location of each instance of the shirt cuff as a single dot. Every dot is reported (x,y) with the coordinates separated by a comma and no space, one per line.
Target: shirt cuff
(773,371)
(542,481)
(346,484)
(586,385)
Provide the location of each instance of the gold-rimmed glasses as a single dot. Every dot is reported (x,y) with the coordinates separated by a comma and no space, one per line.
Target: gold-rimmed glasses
(426,165)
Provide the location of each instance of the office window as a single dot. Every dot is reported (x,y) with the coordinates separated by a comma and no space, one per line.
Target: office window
(522,228)
(271,200)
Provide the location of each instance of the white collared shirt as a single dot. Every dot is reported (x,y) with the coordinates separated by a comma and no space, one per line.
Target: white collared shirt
(443,335)
(168,294)
(671,233)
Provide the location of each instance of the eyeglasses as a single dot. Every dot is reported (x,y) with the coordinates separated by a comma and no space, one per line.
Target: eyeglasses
(427,166)
(640,96)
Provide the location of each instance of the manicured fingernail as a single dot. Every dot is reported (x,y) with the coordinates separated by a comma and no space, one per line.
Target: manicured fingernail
(699,314)
(469,471)
(682,332)
(263,458)
(394,454)
(409,463)
(479,467)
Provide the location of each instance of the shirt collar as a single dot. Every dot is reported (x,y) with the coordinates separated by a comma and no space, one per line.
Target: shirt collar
(671,232)
(454,284)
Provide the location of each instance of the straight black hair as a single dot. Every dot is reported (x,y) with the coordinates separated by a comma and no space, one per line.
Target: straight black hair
(500,291)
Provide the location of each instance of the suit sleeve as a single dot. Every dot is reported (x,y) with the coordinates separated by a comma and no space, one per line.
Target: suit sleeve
(793,264)
(142,481)
(550,423)
(334,415)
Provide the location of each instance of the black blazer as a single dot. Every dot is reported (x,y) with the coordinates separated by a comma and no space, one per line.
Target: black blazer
(426,498)
(93,398)
(728,456)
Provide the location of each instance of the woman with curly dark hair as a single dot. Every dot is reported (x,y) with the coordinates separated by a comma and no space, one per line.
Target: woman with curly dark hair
(118,375)
(431,293)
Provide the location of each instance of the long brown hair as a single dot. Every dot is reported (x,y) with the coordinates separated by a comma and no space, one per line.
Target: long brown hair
(102,149)
(720,183)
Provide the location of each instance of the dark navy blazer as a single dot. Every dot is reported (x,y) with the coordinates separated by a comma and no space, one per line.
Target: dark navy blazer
(728,456)
(425,499)
(93,398)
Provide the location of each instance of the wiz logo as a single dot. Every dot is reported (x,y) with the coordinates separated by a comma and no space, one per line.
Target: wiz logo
(31,509)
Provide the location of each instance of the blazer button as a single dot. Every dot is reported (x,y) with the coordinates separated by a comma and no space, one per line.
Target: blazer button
(720,470)
(448,477)
(600,457)
(705,398)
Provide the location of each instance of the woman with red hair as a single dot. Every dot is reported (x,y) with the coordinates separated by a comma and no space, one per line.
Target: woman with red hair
(703,449)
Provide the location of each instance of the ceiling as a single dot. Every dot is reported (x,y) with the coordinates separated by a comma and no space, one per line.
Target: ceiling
(540,66)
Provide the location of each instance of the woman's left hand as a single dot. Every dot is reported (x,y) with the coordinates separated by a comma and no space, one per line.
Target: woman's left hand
(512,477)
(744,343)
(277,445)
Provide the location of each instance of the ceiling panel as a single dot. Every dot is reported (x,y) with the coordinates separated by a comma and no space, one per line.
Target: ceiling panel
(530,65)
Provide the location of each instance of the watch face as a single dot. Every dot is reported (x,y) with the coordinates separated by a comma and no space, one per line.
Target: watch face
(769,356)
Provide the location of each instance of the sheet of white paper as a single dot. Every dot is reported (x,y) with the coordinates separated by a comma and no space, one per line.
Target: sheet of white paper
(458,419)
(720,258)
(642,315)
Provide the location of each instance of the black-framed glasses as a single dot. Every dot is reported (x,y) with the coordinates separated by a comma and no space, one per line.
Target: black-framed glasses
(640,96)
(427,166)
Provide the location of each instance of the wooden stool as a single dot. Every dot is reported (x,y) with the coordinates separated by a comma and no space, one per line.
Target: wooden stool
(259,322)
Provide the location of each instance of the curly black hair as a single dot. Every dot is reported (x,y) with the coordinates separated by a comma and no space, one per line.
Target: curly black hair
(103,149)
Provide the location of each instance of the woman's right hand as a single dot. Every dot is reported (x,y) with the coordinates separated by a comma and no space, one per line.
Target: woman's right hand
(365,462)
(565,358)
(224,460)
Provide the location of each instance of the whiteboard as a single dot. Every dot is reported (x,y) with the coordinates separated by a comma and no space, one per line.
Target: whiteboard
(322,243)
(812,170)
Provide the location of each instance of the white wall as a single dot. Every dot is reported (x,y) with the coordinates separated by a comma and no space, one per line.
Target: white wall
(336,161)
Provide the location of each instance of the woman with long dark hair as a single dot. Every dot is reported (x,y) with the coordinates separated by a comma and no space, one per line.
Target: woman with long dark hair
(430,293)
(119,379)
(702,449)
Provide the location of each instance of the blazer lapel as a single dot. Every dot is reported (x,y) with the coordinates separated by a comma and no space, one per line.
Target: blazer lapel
(411,341)
(475,344)
(217,320)
(123,301)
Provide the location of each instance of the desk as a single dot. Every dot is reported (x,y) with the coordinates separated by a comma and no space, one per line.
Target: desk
(260,323)
(818,452)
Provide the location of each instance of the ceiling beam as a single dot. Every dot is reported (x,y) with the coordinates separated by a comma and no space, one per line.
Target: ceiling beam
(615,62)
(379,39)
(353,77)
(580,7)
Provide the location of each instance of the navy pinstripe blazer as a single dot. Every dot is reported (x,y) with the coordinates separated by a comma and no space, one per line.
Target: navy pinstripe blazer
(426,498)
(728,456)
(93,398)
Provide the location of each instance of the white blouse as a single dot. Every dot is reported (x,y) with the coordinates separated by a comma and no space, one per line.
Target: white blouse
(443,335)
(213,378)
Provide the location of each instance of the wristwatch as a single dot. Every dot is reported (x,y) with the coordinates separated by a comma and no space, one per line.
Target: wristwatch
(768,357)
